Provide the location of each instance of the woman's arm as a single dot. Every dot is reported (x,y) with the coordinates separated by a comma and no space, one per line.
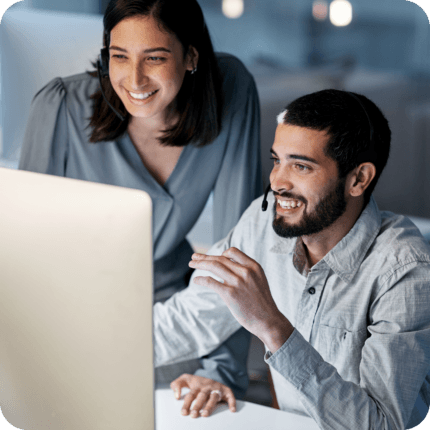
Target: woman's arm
(44,148)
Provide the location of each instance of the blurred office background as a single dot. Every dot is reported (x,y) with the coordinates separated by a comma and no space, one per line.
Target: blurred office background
(380,48)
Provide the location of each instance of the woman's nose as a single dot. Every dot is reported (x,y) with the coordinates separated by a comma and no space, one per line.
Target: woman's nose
(138,76)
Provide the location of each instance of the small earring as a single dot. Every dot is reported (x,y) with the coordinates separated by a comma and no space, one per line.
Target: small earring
(194,70)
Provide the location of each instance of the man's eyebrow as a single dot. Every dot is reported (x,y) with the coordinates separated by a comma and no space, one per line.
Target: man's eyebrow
(296,157)
(303,157)
(146,51)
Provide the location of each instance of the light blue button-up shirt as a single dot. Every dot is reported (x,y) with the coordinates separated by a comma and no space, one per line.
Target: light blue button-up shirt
(359,356)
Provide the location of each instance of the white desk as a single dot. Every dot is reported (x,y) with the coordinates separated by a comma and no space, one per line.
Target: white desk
(248,416)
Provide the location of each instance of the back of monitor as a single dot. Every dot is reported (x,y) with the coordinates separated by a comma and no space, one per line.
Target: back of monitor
(76,304)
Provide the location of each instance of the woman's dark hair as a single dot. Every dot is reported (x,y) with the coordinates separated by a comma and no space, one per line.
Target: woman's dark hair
(359,131)
(199,101)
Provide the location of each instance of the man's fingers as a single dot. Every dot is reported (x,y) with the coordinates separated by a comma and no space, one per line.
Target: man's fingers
(234,255)
(214,399)
(221,267)
(231,400)
(199,403)
(188,400)
(207,281)
(238,256)
(178,384)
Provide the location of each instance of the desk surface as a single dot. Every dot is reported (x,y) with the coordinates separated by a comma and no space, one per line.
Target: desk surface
(249,416)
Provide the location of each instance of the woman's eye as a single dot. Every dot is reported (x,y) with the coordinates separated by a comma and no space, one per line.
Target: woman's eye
(275,160)
(156,59)
(118,56)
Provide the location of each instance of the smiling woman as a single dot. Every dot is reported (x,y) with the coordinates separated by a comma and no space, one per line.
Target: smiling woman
(147,68)
(162,113)
(165,42)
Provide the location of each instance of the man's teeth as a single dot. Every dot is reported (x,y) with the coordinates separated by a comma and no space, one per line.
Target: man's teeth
(289,204)
(141,96)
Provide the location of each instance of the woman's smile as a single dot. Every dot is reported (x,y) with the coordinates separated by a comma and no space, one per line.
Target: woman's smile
(141,98)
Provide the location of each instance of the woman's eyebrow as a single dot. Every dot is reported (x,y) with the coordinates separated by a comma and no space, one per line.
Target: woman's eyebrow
(117,48)
(146,51)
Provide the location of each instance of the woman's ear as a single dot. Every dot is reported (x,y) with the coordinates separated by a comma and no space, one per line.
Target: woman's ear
(192,58)
(360,178)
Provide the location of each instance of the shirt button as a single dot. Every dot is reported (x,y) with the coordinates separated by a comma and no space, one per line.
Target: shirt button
(311,290)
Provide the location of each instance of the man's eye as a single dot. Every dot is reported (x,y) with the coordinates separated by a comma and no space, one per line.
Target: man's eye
(275,160)
(156,59)
(119,56)
(302,167)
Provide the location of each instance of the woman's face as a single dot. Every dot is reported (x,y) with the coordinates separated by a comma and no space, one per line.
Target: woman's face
(147,66)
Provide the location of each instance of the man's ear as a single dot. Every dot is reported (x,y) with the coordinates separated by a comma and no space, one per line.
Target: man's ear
(360,178)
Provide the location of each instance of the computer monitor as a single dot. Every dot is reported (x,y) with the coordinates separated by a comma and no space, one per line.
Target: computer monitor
(75,304)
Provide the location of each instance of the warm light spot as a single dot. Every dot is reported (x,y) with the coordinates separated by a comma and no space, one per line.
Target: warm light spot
(340,13)
(320,10)
(232,8)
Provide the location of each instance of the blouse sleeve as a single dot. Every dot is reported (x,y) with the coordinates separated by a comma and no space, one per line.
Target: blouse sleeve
(44,149)
(240,177)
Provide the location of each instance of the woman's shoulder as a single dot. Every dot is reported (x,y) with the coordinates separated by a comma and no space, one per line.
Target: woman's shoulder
(77,87)
(232,68)
(238,83)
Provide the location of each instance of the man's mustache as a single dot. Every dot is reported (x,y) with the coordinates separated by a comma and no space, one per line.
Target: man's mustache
(289,195)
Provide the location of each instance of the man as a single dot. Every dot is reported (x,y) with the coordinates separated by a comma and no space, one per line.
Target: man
(338,291)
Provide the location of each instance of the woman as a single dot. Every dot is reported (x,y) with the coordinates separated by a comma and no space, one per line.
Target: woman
(174,120)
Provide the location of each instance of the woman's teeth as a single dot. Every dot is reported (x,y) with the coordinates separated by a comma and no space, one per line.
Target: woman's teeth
(289,204)
(142,96)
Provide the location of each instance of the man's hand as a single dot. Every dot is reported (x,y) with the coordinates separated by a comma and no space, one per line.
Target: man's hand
(206,393)
(247,294)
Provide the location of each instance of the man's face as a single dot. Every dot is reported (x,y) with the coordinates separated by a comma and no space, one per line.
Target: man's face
(309,195)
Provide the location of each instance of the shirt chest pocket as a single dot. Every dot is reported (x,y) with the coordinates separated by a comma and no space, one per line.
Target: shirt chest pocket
(342,348)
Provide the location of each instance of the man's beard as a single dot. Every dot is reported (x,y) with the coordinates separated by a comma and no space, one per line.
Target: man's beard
(327,211)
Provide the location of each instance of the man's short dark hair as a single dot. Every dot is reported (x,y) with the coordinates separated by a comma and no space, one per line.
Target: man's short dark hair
(358,130)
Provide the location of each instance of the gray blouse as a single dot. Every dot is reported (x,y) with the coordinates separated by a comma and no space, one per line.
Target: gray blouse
(57,142)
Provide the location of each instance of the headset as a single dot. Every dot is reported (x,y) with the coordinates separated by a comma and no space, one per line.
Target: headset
(370,153)
(265,203)
(103,72)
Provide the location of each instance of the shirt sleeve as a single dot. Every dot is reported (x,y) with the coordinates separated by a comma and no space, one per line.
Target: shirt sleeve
(44,148)
(193,322)
(394,362)
(240,178)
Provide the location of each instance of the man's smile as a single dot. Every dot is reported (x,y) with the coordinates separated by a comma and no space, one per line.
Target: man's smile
(289,204)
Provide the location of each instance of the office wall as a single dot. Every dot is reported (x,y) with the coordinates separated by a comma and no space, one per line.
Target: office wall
(79,6)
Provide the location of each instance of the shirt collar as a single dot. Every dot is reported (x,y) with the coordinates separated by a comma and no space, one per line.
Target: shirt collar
(346,257)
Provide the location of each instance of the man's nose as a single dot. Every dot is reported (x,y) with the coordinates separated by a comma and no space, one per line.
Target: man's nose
(280,180)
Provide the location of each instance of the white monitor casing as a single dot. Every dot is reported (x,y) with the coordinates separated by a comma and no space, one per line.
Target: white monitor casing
(76,304)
